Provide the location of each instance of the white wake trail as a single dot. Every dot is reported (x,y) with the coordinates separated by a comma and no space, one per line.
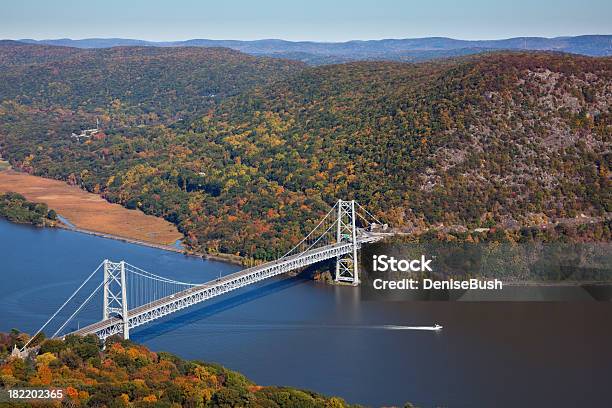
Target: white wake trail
(394,327)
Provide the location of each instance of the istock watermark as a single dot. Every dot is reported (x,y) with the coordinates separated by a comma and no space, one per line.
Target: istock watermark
(384,263)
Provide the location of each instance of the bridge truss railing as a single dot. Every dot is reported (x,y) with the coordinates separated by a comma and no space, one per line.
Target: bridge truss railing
(198,294)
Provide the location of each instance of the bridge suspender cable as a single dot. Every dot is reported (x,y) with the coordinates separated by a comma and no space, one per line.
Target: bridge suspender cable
(62,306)
(368,213)
(134,271)
(313,230)
(145,274)
(81,306)
(321,236)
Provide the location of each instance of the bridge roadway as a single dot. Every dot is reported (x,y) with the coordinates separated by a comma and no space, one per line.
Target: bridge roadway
(197,294)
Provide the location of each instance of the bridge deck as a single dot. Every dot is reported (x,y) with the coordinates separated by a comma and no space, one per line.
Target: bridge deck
(200,293)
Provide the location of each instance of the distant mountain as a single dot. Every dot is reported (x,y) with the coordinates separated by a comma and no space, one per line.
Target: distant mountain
(410,49)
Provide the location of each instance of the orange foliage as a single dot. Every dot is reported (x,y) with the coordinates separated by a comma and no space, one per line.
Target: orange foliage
(72,392)
(150,398)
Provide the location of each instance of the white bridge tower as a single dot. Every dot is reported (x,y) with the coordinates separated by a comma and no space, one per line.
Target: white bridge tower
(115,294)
(346,265)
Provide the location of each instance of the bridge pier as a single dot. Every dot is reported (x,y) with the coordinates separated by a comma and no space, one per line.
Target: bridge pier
(346,265)
(115,294)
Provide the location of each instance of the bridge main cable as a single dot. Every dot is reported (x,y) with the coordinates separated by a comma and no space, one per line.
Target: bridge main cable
(368,213)
(310,233)
(63,305)
(149,275)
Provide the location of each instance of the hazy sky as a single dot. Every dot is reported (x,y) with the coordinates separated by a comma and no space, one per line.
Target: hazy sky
(319,20)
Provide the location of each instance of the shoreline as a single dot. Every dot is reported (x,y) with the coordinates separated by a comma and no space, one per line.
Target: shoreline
(65,222)
(231,259)
(89,211)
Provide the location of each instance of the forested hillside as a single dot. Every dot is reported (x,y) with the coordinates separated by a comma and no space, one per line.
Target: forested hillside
(133,85)
(495,140)
(128,375)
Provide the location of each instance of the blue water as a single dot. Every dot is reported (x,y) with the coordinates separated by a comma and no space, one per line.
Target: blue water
(300,333)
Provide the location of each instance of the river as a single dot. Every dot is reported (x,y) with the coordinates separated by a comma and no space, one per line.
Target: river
(292,331)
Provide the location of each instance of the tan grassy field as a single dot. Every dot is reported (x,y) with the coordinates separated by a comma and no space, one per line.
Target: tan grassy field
(89,211)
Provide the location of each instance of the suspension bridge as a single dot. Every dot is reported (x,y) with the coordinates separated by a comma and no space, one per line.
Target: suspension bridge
(132,297)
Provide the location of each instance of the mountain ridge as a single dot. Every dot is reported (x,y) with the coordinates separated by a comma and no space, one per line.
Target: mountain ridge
(406,49)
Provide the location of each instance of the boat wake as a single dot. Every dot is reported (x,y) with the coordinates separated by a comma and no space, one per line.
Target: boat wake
(240,328)
(302,326)
(436,327)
